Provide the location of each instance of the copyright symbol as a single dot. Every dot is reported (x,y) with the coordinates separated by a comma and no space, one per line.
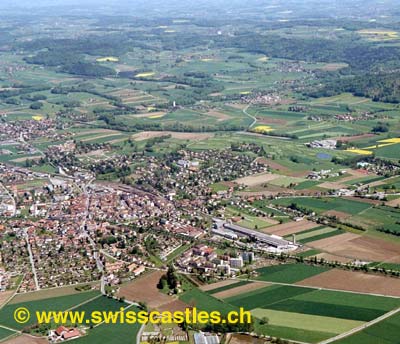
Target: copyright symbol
(21,315)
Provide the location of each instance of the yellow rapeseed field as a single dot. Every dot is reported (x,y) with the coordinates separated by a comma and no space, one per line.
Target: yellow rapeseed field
(262,129)
(393,140)
(157,116)
(379,145)
(359,151)
(379,35)
(378,32)
(384,143)
(144,75)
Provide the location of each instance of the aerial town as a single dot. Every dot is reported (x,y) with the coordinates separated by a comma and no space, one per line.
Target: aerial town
(213,156)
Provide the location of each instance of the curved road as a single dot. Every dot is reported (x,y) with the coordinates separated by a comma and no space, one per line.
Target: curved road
(250,116)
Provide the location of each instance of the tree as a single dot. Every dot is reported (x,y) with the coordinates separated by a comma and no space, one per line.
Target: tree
(36,105)
(162,283)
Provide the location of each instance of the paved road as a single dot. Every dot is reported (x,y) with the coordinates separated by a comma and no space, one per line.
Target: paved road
(31,259)
(250,116)
(139,334)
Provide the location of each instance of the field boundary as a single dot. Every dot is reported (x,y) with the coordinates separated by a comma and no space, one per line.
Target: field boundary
(319,288)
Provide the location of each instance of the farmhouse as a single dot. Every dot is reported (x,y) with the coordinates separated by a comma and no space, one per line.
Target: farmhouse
(63,333)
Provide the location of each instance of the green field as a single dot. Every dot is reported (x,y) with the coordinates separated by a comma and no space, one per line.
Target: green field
(327,234)
(320,205)
(4,333)
(310,235)
(305,321)
(227,287)
(112,333)
(51,304)
(206,302)
(289,273)
(384,332)
(102,303)
(266,296)
(384,217)
(308,253)
(301,308)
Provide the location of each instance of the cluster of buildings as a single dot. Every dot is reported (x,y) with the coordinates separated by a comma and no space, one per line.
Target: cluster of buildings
(262,98)
(191,173)
(348,117)
(48,253)
(206,260)
(53,249)
(164,335)
(31,129)
(326,144)
(322,174)
(5,279)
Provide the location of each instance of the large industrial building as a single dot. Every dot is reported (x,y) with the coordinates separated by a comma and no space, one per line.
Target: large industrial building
(232,231)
